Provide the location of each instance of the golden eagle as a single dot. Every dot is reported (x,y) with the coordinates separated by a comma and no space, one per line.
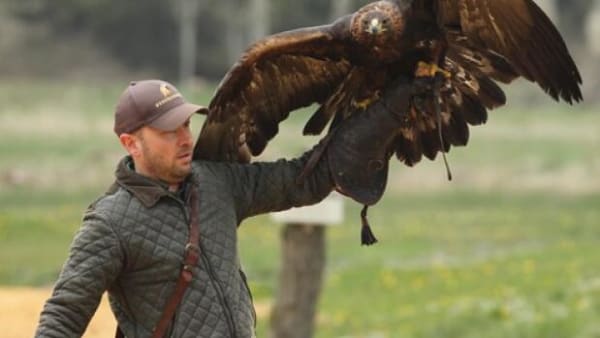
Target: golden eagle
(344,66)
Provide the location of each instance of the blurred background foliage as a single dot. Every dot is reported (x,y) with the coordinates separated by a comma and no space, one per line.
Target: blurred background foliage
(145,35)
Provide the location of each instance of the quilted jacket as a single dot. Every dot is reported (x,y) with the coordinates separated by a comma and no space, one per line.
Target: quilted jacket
(131,244)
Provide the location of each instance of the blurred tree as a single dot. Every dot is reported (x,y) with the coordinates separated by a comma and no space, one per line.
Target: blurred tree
(140,34)
(145,34)
(214,27)
(259,24)
(232,16)
(295,14)
(340,8)
(572,15)
(188,15)
(593,30)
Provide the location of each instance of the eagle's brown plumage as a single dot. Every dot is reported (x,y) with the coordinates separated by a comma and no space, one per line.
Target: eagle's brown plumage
(345,65)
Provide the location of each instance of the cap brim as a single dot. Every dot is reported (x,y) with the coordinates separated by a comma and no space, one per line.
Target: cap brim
(175,117)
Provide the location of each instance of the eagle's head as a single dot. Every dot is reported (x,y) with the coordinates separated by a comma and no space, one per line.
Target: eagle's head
(377,24)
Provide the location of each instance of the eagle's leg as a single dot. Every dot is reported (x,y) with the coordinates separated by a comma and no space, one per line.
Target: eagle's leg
(438,53)
(440,78)
(437,98)
(439,75)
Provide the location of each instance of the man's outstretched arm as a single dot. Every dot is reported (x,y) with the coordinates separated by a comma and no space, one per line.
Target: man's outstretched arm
(354,162)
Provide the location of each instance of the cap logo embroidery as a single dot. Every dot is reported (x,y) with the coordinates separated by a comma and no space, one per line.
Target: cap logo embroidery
(167,94)
(165,90)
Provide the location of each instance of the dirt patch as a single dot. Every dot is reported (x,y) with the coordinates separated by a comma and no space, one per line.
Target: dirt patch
(20,310)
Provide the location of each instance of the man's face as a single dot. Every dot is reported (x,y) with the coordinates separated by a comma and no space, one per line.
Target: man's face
(166,155)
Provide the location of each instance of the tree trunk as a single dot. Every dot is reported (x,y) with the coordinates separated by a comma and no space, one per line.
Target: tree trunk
(340,8)
(188,14)
(593,31)
(259,19)
(235,41)
(571,18)
(303,259)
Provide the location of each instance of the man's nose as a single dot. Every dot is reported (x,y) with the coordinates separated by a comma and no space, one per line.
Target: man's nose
(184,136)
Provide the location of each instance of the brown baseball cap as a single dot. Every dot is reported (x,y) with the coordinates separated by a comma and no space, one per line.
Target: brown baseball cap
(154,103)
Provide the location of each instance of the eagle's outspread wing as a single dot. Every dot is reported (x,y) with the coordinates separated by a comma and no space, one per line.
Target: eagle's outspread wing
(486,41)
(343,66)
(521,32)
(467,95)
(336,66)
(273,77)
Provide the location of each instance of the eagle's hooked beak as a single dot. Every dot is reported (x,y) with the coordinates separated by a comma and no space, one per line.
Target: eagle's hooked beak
(375,26)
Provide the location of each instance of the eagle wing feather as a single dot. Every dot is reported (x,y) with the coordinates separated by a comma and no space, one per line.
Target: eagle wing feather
(521,32)
(275,76)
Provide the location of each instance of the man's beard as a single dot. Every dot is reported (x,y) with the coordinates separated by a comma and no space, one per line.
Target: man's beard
(159,167)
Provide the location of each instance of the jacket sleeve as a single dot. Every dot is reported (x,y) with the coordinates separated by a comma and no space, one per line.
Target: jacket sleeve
(263,187)
(94,261)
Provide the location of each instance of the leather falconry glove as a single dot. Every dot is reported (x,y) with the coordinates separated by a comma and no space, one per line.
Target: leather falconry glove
(360,150)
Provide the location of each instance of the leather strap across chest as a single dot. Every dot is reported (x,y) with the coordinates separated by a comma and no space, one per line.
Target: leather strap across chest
(192,254)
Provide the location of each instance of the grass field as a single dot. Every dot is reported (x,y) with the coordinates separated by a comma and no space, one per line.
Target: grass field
(508,249)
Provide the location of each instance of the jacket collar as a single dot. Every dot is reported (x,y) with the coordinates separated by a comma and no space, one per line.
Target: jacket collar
(148,191)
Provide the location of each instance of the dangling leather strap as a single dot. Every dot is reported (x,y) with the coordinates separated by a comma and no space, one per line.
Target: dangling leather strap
(192,253)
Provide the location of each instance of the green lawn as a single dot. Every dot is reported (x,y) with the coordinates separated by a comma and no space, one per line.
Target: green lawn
(508,249)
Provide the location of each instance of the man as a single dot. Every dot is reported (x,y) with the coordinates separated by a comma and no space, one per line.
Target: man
(136,241)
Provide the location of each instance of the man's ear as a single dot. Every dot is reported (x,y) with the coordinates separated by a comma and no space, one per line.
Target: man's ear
(131,143)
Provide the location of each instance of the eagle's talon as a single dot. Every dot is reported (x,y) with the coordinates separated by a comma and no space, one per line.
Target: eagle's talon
(425,69)
(362,105)
(365,103)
